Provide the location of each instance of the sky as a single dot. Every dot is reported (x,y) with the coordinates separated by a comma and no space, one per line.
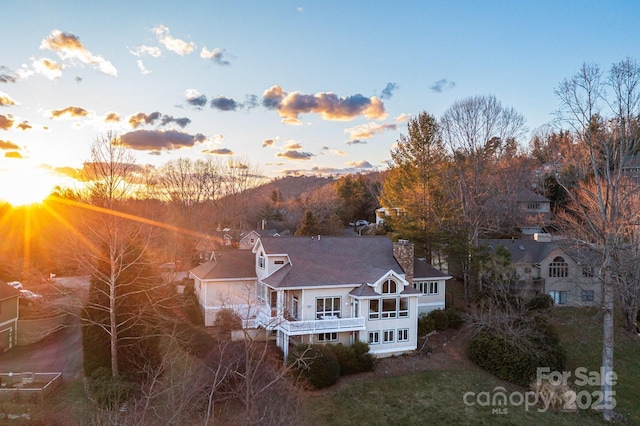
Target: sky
(289,87)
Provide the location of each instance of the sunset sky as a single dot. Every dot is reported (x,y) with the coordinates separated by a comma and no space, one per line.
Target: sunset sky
(293,87)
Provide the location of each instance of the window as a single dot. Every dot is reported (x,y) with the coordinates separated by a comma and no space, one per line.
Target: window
(374,309)
(403,335)
(327,337)
(261,292)
(388,336)
(374,337)
(327,307)
(427,287)
(389,308)
(389,287)
(278,262)
(261,262)
(559,297)
(587,295)
(404,307)
(558,268)
(527,270)
(587,271)
(533,206)
(295,304)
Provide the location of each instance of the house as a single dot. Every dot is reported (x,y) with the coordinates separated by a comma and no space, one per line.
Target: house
(9,308)
(384,213)
(557,268)
(248,239)
(324,290)
(534,212)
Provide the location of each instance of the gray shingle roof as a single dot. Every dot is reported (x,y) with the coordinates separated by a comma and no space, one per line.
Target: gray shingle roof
(422,270)
(331,260)
(533,252)
(7,292)
(232,264)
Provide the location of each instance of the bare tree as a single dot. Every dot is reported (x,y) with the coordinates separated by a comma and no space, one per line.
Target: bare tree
(609,136)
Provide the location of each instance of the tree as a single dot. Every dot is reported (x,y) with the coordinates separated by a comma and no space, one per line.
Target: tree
(112,248)
(415,184)
(480,131)
(609,140)
(309,225)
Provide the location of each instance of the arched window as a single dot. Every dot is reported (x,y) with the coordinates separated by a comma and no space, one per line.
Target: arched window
(558,268)
(389,287)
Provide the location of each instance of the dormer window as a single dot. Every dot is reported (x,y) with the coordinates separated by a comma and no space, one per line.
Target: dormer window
(261,262)
(389,287)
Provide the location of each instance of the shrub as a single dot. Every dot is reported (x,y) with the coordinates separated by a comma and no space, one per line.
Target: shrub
(540,302)
(108,391)
(317,365)
(354,359)
(426,324)
(455,318)
(440,319)
(228,320)
(191,304)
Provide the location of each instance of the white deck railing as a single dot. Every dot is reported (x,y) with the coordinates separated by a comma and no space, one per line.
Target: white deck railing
(310,326)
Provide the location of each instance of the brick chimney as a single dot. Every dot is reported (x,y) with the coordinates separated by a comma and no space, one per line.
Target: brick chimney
(403,251)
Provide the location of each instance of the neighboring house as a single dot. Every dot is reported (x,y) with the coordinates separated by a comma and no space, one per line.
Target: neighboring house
(383,214)
(534,212)
(556,268)
(325,290)
(248,240)
(9,309)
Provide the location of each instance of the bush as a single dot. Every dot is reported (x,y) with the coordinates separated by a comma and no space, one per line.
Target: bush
(317,365)
(455,318)
(354,359)
(191,304)
(108,391)
(426,324)
(515,364)
(228,320)
(440,319)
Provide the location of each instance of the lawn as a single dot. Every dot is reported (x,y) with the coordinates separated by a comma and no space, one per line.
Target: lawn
(437,397)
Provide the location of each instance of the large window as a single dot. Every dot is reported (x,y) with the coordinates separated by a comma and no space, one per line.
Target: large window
(327,307)
(389,287)
(426,287)
(388,336)
(559,297)
(558,268)
(388,308)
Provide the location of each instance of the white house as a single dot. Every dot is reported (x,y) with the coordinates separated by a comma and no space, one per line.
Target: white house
(325,290)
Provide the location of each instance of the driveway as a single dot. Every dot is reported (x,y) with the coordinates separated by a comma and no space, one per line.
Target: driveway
(59,352)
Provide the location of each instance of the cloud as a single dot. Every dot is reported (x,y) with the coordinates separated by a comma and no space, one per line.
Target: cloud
(70,111)
(387,92)
(143,50)
(295,155)
(368,130)
(142,68)
(360,164)
(68,46)
(195,98)
(13,154)
(442,85)
(224,104)
(356,142)
(291,146)
(140,118)
(402,118)
(268,142)
(112,117)
(48,68)
(5,100)
(338,152)
(171,43)
(6,121)
(328,105)
(251,101)
(180,121)
(6,75)
(6,145)
(156,140)
(220,151)
(216,55)
(24,126)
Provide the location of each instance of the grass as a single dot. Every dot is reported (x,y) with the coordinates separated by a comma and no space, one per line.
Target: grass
(436,397)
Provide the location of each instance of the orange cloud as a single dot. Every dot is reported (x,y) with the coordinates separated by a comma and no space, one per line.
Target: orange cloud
(172,44)
(366,131)
(6,145)
(68,46)
(6,100)
(50,69)
(70,111)
(6,121)
(112,117)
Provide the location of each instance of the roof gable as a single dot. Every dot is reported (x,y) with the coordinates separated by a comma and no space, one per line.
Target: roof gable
(227,264)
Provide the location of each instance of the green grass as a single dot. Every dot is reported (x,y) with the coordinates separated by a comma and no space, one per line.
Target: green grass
(436,397)
(430,397)
(581,335)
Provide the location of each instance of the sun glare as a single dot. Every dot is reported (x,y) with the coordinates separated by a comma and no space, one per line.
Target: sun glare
(21,188)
